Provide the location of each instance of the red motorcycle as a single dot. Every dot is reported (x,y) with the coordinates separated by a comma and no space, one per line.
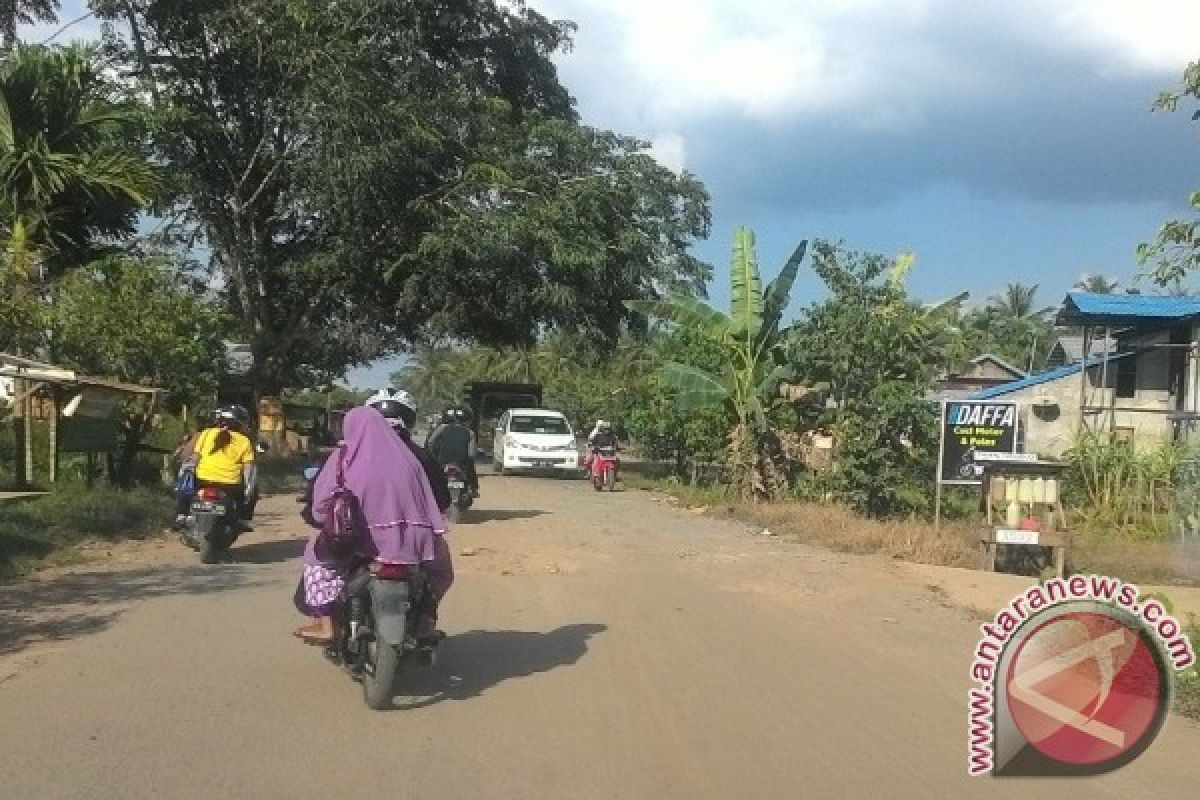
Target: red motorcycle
(603,468)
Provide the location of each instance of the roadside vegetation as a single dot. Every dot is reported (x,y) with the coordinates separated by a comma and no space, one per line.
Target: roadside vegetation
(45,531)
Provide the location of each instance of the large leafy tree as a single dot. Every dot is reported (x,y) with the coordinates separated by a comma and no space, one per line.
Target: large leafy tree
(1096,284)
(1175,252)
(362,172)
(754,362)
(879,351)
(140,320)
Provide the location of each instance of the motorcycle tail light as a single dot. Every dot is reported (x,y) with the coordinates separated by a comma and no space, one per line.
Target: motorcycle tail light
(391,572)
(208,493)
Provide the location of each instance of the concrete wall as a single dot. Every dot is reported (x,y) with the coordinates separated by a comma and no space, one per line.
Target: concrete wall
(1051,430)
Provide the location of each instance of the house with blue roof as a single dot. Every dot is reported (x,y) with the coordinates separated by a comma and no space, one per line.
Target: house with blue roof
(1139,382)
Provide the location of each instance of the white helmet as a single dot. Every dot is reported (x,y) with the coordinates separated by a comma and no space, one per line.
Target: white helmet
(398,407)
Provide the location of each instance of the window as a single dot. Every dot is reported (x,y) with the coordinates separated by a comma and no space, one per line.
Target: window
(531,424)
(1127,376)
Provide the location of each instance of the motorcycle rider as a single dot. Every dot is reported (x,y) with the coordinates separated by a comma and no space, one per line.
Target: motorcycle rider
(399,408)
(453,442)
(602,437)
(225,459)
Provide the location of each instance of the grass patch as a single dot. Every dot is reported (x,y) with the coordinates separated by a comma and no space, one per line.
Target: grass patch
(45,530)
(1187,683)
(833,526)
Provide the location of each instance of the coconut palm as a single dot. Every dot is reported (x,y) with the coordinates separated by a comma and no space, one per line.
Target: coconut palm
(1018,301)
(69,178)
(14,13)
(433,374)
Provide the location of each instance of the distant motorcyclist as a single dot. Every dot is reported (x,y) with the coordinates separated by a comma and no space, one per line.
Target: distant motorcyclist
(225,459)
(399,408)
(602,436)
(600,424)
(453,442)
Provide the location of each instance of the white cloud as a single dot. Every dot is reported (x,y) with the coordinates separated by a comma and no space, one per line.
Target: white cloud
(878,64)
(670,150)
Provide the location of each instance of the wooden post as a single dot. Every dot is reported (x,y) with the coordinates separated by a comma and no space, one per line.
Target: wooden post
(20,475)
(27,437)
(1083,378)
(53,435)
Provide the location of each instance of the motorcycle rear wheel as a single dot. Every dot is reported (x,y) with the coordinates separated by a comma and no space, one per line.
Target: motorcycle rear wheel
(378,680)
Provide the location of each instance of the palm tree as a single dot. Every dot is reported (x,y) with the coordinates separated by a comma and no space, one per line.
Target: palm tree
(434,375)
(1018,301)
(69,177)
(1096,284)
(23,12)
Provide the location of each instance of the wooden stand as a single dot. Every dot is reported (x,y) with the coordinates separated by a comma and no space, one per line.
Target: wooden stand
(1048,513)
(1059,544)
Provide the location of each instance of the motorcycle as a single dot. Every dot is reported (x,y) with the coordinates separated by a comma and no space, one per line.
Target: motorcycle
(214,520)
(603,468)
(375,625)
(461,497)
(212,524)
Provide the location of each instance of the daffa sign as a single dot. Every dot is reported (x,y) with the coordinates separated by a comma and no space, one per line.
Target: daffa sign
(970,428)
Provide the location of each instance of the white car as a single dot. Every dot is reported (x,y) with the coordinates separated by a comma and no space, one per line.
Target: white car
(534,439)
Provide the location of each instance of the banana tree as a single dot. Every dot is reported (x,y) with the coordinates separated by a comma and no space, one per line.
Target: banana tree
(757,375)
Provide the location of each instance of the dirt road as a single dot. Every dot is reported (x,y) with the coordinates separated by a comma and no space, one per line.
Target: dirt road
(600,647)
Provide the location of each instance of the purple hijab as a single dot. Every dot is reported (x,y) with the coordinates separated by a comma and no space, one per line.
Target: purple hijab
(401,514)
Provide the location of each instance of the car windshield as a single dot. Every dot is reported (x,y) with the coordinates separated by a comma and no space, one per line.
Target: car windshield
(539,424)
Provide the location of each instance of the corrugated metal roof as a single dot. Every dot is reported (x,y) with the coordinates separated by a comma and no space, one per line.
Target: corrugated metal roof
(1090,308)
(1071,347)
(1042,377)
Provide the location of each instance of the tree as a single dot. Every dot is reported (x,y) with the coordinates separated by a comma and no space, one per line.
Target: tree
(14,13)
(139,320)
(1096,284)
(1175,252)
(434,375)
(1019,301)
(71,175)
(369,172)
(878,351)
(754,365)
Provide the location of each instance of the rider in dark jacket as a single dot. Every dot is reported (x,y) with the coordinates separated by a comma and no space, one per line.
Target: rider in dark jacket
(453,442)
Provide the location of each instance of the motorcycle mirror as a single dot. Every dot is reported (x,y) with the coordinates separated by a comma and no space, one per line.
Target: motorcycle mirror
(310,473)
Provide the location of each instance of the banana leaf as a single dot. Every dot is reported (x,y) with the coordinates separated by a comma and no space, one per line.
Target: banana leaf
(900,269)
(686,311)
(779,292)
(694,388)
(770,384)
(746,292)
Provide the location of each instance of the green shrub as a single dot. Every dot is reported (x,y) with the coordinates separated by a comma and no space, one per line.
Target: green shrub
(41,528)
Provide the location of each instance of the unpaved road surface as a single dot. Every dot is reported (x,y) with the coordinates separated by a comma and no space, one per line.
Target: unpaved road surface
(600,647)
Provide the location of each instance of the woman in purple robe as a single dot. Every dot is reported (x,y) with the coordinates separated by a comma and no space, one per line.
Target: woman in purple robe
(401,521)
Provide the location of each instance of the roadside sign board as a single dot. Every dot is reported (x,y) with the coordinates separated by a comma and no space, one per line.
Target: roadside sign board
(974,431)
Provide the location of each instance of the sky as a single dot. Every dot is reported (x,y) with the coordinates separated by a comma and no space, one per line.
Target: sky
(999,140)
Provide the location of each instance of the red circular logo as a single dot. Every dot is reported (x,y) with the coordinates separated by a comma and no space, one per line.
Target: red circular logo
(1086,688)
